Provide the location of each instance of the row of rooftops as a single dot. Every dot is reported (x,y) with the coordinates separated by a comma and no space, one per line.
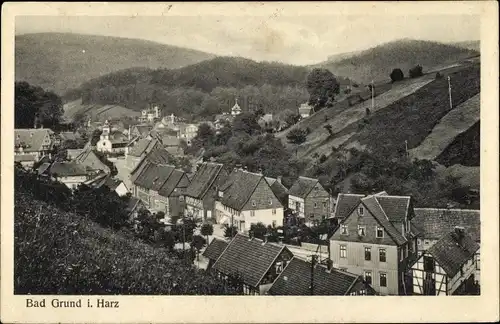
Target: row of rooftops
(251,259)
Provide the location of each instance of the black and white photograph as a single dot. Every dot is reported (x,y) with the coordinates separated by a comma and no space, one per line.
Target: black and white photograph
(246,155)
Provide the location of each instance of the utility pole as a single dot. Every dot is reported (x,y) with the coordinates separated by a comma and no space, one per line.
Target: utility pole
(313,263)
(373,95)
(183,237)
(406,147)
(449,91)
(232,217)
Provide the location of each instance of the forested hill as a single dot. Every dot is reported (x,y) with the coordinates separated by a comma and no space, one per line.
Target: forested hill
(377,63)
(61,61)
(203,89)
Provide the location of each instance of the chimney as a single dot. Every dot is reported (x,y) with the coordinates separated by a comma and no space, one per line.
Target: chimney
(459,233)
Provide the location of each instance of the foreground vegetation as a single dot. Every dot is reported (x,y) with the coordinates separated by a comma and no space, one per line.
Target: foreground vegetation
(58,251)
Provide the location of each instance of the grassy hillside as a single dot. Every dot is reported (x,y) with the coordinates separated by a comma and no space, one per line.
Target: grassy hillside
(59,61)
(377,63)
(58,252)
(464,150)
(413,117)
(96,111)
(457,121)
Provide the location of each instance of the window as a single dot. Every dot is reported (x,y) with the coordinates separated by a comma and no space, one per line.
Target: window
(368,253)
(428,264)
(270,201)
(361,230)
(362,292)
(252,213)
(380,232)
(478,262)
(353,293)
(361,211)
(368,277)
(401,257)
(274,211)
(221,194)
(274,223)
(343,230)
(343,251)
(383,280)
(254,203)
(324,204)
(279,267)
(382,255)
(315,205)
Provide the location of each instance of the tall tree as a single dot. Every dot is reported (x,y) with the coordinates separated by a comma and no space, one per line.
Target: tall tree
(33,104)
(322,87)
(297,136)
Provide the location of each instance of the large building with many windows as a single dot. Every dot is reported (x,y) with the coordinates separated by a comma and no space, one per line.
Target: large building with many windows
(377,240)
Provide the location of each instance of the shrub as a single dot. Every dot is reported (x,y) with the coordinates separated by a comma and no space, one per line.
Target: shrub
(230,231)
(322,158)
(397,75)
(258,230)
(416,71)
(439,76)
(207,229)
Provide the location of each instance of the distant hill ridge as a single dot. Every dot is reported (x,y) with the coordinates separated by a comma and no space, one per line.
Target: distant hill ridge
(377,63)
(61,61)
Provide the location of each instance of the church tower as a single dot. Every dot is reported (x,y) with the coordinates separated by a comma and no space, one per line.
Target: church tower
(105,131)
(236,110)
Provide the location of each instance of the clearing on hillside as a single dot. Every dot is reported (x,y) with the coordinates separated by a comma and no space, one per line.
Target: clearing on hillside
(457,121)
(96,112)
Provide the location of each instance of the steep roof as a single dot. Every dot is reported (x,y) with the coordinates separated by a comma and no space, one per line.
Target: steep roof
(89,159)
(374,207)
(434,223)
(204,177)
(302,187)
(171,183)
(395,207)
(141,147)
(238,188)
(132,204)
(346,204)
(32,138)
(117,137)
(143,129)
(67,169)
(453,250)
(250,259)
(280,191)
(153,176)
(295,280)
(156,154)
(69,136)
(215,249)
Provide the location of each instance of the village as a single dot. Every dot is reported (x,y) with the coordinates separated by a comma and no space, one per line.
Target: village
(357,243)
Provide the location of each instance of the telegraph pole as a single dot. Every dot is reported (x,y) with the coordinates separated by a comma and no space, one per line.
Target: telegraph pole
(449,91)
(313,263)
(373,95)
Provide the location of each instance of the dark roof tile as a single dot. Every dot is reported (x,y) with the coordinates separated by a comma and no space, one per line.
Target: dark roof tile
(215,249)
(238,188)
(203,179)
(434,223)
(346,204)
(302,187)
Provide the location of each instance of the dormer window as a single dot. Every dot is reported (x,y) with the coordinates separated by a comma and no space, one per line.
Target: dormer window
(361,211)
(221,194)
(270,202)
(361,230)
(343,230)
(380,232)
(254,203)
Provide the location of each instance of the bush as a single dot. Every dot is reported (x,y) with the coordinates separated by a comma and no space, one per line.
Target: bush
(230,231)
(416,71)
(397,75)
(439,76)
(258,230)
(322,158)
(207,229)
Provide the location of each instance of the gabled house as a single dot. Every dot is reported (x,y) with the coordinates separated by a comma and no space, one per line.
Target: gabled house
(246,198)
(251,264)
(309,200)
(378,241)
(201,194)
(139,150)
(297,276)
(305,110)
(157,185)
(70,173)
(434,223)
(141,130)
(107,180)
(91,161)
(279,190)
(447,267)
(34,142)
(213,251)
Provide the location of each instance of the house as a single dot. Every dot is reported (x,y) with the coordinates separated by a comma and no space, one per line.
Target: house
(251,264)
(141,130)
(236,109)
(201,193)
(34,142)
(221,120)
(309,200)
(187,132)
(26,160)
(378,241)
(107,180)
(213,251)
(111,141)
(434,223)
(70,173)
(69,136)
(279,190)
(246,198)
(71,154)
(160,187)
(344,205)
(140,149)
(305,110)
(150,114)
(295,280)
(447,267)
(172,144)
(91,161)
(265,120)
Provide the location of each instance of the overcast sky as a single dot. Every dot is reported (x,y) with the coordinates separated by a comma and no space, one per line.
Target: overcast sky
(289,39)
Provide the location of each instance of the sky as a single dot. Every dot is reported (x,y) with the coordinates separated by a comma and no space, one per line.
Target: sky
(292,39)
